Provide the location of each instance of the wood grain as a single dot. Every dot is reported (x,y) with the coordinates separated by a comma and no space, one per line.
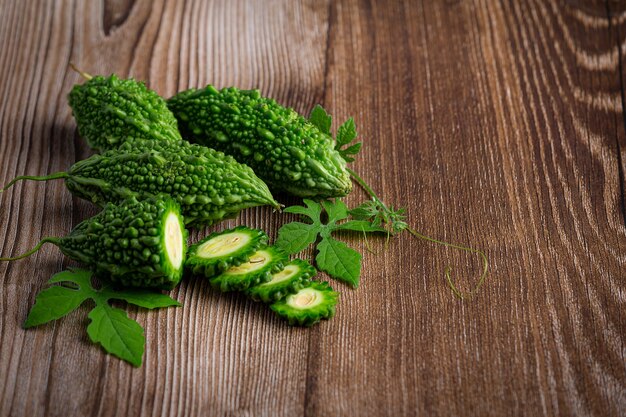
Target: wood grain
(496,123)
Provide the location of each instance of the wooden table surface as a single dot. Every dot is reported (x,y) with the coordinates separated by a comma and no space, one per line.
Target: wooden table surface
(496,123)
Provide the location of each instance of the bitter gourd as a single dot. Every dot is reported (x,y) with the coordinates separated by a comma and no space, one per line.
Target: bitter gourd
(208,185)
(110,111)
(282,147)
(256,270)
(294,277)
(309,305)
(139,243)
(222,250)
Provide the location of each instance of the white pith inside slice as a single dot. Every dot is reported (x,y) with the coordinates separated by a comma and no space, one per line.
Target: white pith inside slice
(305,298)
(174,240)
(284,275)
(256,262)
(223,244)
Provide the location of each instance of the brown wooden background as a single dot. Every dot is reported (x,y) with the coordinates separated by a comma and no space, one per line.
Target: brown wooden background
(499,123)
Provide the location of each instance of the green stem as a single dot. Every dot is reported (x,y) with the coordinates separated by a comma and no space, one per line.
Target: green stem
(53,240)
(54,176)
(418,235)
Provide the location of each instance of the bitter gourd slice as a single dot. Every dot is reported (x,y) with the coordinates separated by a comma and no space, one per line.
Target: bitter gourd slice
(221,250)
(208,185)
(283,148)
(110,111)
(256,270)
(294,277)
(309,305)
(139,243)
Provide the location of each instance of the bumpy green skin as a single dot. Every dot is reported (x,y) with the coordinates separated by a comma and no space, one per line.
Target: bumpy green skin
(208,185)
(282,147)
(209,267)
(125,243)
(311,315)
(110,111)
(227,281)
(269,292)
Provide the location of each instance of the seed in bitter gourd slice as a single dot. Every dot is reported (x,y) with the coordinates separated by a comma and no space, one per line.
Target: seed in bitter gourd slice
(221,250)
(256,270)
(294,277)
(309,305)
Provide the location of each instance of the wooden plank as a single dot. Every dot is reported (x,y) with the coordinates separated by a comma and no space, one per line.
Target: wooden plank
(495,123)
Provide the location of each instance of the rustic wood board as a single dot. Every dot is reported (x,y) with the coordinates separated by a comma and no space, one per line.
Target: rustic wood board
(495,123)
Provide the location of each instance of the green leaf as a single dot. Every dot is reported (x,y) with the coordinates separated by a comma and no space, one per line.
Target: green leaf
(141,298)
(359,226)
(313,210)
(336,210)
(111,327)
(80,277)
(294,237)
(346,132)
(352,149)
(321,119)
(339,261)
(116,333)
(365,211)
(54,303)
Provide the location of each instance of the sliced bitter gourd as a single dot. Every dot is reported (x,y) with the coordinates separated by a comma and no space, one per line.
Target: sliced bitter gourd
(256,270)
(309,305)
(294,277)
(221,250)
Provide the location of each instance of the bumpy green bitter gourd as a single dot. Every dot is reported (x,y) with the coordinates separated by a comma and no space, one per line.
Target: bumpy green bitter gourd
(208,185)
(294,277)
(256,270)
(136,244)
(284,149)
(222,250)
(309,305)
(110,111)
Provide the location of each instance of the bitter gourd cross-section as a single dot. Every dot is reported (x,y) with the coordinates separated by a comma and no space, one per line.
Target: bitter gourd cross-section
(208,185)
(139,243)
(256,270)
(282,147)
(110,111)
(309,305)
(222,250)
(294,277)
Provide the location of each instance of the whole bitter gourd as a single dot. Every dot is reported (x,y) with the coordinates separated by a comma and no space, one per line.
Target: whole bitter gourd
(309,305)
(222,250)
(256,270)
(294,277)
(208,185)
(139,243)
(110,111)
(282,147)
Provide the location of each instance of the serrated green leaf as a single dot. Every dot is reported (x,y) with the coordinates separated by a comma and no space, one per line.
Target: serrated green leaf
(321,119)
(54,303)
(117,333)
(346,132)
(352,149)
(312,210)
(141,298)
(336,210)
(359,226)
(294,237)
(80,277)
(339,261)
